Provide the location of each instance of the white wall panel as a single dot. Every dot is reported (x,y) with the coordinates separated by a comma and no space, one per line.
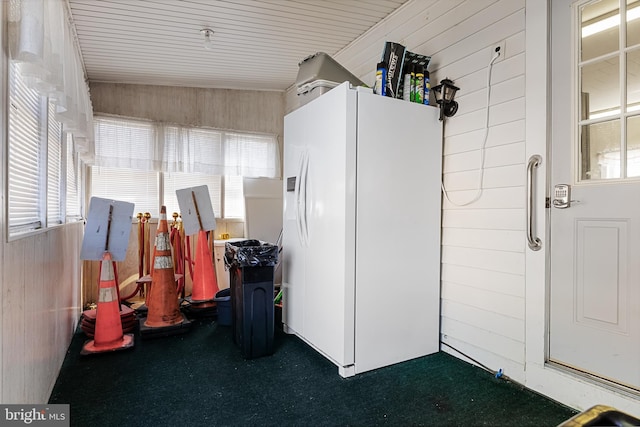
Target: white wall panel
(40,310)
(499,240)
(490,357)
(487,320)
(506,347)
(506,305)
(509,219)
(492,198)
(502,155)
(507,133)
(490,280)
(506,262)
(496,177)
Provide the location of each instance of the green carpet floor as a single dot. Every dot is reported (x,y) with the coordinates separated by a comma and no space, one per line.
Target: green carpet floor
(201,379)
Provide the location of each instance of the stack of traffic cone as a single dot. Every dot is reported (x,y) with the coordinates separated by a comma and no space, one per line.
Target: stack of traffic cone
(205,283)
(89,317)
(108,334)
(127,315)
(163,314)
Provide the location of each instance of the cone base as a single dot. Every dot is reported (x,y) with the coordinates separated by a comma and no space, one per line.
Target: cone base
(201,302)
(201,309)
(90,346)
(164,331)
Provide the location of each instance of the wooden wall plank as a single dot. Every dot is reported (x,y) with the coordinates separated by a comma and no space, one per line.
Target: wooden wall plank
(491,358)
(496,177)
(486,320)
(503,134)
(500,261)
(499,240)
(502,155)
(506,347)
(506,305)
(489,280)
(507,219)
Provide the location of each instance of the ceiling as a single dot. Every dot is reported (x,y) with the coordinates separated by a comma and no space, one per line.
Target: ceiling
(255,45)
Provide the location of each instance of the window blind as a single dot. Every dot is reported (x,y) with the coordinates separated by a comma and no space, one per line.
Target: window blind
(54,168)
(127,185)
(25,180)
(73,204)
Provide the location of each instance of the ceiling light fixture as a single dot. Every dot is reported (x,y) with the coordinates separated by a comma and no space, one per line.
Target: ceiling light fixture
(207,32)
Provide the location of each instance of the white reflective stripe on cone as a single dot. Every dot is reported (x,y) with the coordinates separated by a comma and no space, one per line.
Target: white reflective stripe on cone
(107,294)
(162,242)
(163,261)
(106,272)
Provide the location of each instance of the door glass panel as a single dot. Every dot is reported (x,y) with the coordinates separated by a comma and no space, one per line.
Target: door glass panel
(633,22)
(633,146)
(633,80)
(600,25)
(600,150)
(600,88)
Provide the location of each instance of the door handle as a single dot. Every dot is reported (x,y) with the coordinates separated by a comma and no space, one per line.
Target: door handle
(535,244)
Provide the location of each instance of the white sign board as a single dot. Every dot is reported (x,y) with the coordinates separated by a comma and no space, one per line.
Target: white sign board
(195,201)
(114,216)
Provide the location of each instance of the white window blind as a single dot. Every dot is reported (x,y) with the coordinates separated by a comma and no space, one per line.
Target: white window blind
(233,197)
(54,168)
(73,205)
(25,165)
(182,157)
(251,155)
(127,185)
(125,144)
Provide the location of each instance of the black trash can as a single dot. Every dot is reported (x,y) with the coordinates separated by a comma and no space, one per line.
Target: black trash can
(251,266)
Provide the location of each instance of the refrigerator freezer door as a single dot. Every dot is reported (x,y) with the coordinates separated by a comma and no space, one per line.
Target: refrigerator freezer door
(398,190)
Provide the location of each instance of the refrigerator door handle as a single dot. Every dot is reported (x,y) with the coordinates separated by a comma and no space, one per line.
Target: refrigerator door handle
(304,189)
(298,199)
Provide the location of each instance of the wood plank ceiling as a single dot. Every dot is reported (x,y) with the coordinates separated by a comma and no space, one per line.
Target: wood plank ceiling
(256,44)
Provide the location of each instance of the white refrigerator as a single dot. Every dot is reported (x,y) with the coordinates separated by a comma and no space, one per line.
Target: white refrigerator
(361,228)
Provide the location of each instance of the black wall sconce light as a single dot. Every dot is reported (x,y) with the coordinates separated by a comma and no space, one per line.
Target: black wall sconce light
(445,93)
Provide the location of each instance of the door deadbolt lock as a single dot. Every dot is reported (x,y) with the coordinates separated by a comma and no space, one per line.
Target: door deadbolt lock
(562,196)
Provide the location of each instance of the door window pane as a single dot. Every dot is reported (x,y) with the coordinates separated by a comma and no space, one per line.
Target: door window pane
(600,86)
(600,26)
(633,22)
(633,146)
(600,150)
(633,80)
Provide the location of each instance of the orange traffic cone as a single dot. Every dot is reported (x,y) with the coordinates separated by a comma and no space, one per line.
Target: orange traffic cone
(108,329)
(162,300)
(205,283)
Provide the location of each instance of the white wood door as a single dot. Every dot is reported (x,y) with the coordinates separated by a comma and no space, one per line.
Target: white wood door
(595,146)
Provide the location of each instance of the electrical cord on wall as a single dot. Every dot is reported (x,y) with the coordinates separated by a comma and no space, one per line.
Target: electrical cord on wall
(496,55)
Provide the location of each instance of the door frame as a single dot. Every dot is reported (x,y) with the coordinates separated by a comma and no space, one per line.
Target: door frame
(558,383)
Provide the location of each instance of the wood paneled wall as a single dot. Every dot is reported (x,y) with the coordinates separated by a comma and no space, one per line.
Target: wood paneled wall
(40,309)
(483,243)
(250,111)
